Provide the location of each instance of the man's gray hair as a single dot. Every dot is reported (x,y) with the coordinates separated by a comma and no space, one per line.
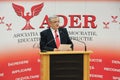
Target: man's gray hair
(51,17)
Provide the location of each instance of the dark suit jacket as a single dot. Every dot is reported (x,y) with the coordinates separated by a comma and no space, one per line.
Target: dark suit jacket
(47,42)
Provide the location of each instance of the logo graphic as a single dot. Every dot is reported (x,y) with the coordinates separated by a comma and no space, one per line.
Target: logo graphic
(9,26)
(114,19)
(35,10)
(1,20)
(106,25)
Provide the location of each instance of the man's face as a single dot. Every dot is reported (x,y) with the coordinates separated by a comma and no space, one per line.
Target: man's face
(54,23)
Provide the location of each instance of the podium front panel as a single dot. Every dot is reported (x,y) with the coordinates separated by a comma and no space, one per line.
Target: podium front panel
(66,67)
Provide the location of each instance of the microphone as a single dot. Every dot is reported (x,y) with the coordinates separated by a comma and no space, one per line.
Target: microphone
(56,36)
(85,46)
(49,43)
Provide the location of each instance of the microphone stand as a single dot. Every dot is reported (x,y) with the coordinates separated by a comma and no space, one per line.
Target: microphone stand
(85,46)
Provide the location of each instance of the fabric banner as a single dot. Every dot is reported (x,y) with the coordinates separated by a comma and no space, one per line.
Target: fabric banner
(94,23)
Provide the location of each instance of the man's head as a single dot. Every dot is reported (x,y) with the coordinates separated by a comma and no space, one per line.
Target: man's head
(54,22)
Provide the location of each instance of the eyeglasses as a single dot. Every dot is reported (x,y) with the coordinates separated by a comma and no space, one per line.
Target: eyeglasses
(55,21)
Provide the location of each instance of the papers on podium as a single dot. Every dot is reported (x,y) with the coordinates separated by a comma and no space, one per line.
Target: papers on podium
(65,47)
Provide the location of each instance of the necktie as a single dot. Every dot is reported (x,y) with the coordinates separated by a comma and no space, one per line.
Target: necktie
(57,39)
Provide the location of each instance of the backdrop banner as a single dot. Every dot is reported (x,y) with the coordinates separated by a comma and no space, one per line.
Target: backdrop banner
(93,22)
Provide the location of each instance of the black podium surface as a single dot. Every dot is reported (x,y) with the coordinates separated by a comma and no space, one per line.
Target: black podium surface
(66,67)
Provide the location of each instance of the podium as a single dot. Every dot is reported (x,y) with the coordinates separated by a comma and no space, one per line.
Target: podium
(65,65)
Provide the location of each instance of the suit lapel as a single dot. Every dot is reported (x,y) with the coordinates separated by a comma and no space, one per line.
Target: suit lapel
(61,35)
(50,37)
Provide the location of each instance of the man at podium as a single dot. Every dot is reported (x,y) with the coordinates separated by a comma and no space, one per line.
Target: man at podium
(55,38)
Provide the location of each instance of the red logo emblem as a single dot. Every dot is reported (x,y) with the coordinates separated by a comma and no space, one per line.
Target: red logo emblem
(35,10)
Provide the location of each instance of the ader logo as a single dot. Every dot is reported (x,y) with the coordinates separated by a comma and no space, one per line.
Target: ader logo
(70,20)
(35,10)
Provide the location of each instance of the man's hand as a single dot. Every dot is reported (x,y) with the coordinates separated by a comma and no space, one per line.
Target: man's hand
(55,49)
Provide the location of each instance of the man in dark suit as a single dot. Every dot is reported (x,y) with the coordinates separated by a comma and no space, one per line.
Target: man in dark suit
(52,37)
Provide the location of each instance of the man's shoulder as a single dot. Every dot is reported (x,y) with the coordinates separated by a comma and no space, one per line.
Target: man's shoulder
(46,30)
(63,29)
